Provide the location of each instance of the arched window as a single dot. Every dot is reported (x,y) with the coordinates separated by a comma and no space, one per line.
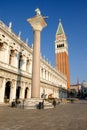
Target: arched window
(7,91)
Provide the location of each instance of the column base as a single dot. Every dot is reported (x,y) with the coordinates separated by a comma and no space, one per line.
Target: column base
(36,103)
(32,103)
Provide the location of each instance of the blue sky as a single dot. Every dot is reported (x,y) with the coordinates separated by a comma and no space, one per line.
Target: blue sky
(73,14)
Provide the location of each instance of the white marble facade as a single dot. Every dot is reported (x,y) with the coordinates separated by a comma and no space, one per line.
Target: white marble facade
(16,69)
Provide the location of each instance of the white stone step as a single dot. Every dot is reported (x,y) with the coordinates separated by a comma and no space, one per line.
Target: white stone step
(34,104)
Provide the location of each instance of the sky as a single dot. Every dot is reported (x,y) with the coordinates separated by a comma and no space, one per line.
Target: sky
(73,14)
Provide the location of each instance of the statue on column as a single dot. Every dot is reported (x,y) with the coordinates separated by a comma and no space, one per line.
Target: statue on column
(38,12)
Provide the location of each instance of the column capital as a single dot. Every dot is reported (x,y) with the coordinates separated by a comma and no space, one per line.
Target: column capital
(37,23)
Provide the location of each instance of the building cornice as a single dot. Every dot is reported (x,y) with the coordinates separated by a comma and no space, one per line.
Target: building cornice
(14,36)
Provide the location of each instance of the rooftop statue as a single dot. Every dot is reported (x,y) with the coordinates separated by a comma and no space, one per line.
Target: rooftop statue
(38,12)
(19,34)
(10,25)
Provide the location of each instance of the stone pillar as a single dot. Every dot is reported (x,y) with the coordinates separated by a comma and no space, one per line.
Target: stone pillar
(36,66)
(22,93)
(13,91)
(43,73)
(22,90)
(2,89)
(46,74)
(16,59)
(30,66)
(38,23)
(3,52)
(24,64)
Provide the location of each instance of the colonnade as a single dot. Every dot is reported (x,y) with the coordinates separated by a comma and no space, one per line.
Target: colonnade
(9,90)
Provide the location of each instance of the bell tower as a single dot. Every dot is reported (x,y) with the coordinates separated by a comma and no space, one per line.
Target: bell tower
(61,53)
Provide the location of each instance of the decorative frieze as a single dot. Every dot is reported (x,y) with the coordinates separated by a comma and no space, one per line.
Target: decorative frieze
(7,75)
(3,46)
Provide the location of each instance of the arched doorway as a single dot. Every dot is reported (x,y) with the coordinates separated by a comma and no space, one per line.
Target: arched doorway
(18,92)
(7,91)
(26,92)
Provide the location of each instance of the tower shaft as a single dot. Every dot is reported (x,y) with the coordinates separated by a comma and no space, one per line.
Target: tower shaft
(61,52)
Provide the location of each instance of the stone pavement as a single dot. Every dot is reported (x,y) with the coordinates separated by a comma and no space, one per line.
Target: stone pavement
(63,117)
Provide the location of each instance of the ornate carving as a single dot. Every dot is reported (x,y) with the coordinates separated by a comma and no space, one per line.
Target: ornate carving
(9,76)
(8,79)
(3,46)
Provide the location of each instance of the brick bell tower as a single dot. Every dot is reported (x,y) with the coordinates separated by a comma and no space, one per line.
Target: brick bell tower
(61,52)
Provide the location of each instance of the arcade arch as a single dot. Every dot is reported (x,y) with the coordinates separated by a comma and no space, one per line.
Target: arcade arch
(7,91)
(26,92)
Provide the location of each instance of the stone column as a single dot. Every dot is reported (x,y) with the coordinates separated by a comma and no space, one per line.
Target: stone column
(36,65)
(2,89)
(23,63)
(16,59)
(46,75)
(30,66)
(43,73)
(38,23)
(22,90)
(13,91)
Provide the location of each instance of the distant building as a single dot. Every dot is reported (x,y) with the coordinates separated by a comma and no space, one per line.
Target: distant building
(84,89)
(75,90)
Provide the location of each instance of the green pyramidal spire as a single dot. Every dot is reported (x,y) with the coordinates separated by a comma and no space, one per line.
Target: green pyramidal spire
(60,29)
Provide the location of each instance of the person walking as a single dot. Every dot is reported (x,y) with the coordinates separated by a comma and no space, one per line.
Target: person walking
(54,103)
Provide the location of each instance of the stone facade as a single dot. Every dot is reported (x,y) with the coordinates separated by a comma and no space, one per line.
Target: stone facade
(16,69)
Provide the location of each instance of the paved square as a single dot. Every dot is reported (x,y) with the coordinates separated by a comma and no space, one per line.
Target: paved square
(63,117)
